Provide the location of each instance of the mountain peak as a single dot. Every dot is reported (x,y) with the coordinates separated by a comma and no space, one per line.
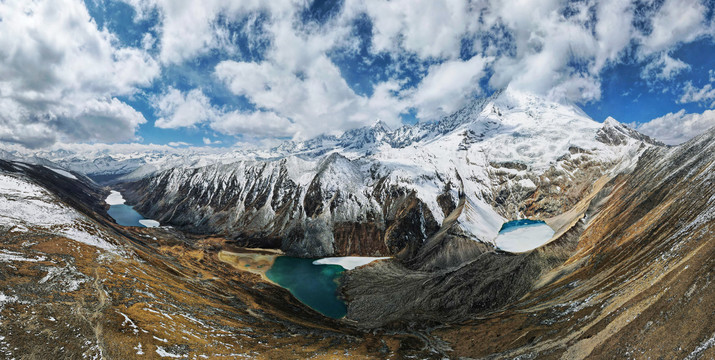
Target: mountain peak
(380,126)
(614,132)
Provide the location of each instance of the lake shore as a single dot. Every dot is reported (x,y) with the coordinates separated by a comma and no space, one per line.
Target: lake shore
(255,261)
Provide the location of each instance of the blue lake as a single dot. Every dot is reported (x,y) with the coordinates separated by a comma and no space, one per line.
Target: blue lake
(125,215)
(511,225)
(314,285)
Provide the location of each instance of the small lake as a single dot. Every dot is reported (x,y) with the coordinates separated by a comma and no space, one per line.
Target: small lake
(523,235)
(125,215)
(314,285)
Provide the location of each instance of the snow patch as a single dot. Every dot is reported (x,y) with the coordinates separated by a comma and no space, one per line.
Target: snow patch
(149,223)
(24,204)
(7,255)
(115,198)
(163,353)
(527,183)
(88,239)
(63,173)
(524,238)
(348,262)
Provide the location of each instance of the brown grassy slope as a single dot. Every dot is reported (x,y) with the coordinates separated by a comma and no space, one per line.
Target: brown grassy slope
(640,282)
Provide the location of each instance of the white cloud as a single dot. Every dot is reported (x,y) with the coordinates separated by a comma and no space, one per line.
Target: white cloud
(446,87)
(547,47)
(60,76)
(663,67)
(675,22)
(178,143)
(677,128)
(547,44)
(192,28)
(316,101)
(188,109)
(704,95)
(430,29)
(258,123)
(61,70)
(177,109)
(97,149)
(208,141)
(614,30)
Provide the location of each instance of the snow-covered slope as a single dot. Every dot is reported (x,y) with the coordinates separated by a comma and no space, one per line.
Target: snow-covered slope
(376,191)
(27,206)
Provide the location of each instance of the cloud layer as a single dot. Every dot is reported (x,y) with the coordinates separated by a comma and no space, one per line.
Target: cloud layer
(60,76)
(296,69)
(677,128)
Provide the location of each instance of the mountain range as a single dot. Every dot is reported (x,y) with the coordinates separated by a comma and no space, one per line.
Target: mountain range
(627,272)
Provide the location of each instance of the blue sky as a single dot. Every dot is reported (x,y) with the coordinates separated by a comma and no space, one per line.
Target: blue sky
(249,72)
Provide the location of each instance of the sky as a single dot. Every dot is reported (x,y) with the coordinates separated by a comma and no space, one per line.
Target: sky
(253,73)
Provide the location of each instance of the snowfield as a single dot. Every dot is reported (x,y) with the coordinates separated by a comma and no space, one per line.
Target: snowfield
(24,204)
(348,262)
(114,198)
(63,173)
(149,223)
(524,238)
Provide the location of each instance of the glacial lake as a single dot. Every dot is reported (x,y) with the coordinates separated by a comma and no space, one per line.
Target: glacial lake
(124,214)
(314,285)
(523,235)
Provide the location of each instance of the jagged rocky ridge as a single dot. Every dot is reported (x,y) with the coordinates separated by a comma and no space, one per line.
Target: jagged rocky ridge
(375,191)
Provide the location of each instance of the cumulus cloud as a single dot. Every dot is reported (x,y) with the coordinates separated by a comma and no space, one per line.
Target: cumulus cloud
(676,21)
(177,109)
(258,123)
(192,28)
(704,96)
(314,101)
(550,48)
(208,141)
(663,67)
(189,109)
(677,128)
(430,29)
(447,86)
(61,76)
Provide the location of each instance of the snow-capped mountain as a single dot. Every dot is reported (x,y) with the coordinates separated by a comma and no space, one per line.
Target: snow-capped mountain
(376,191)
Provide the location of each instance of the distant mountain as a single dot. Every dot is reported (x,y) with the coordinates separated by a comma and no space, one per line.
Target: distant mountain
(376,191)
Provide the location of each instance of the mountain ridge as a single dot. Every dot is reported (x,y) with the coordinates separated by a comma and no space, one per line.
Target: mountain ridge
(509,156)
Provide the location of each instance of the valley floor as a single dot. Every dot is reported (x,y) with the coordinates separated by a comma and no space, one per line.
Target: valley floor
(61,299)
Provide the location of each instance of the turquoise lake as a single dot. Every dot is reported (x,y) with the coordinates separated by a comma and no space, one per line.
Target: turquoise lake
(125,215)
(511,225)
(314,285)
